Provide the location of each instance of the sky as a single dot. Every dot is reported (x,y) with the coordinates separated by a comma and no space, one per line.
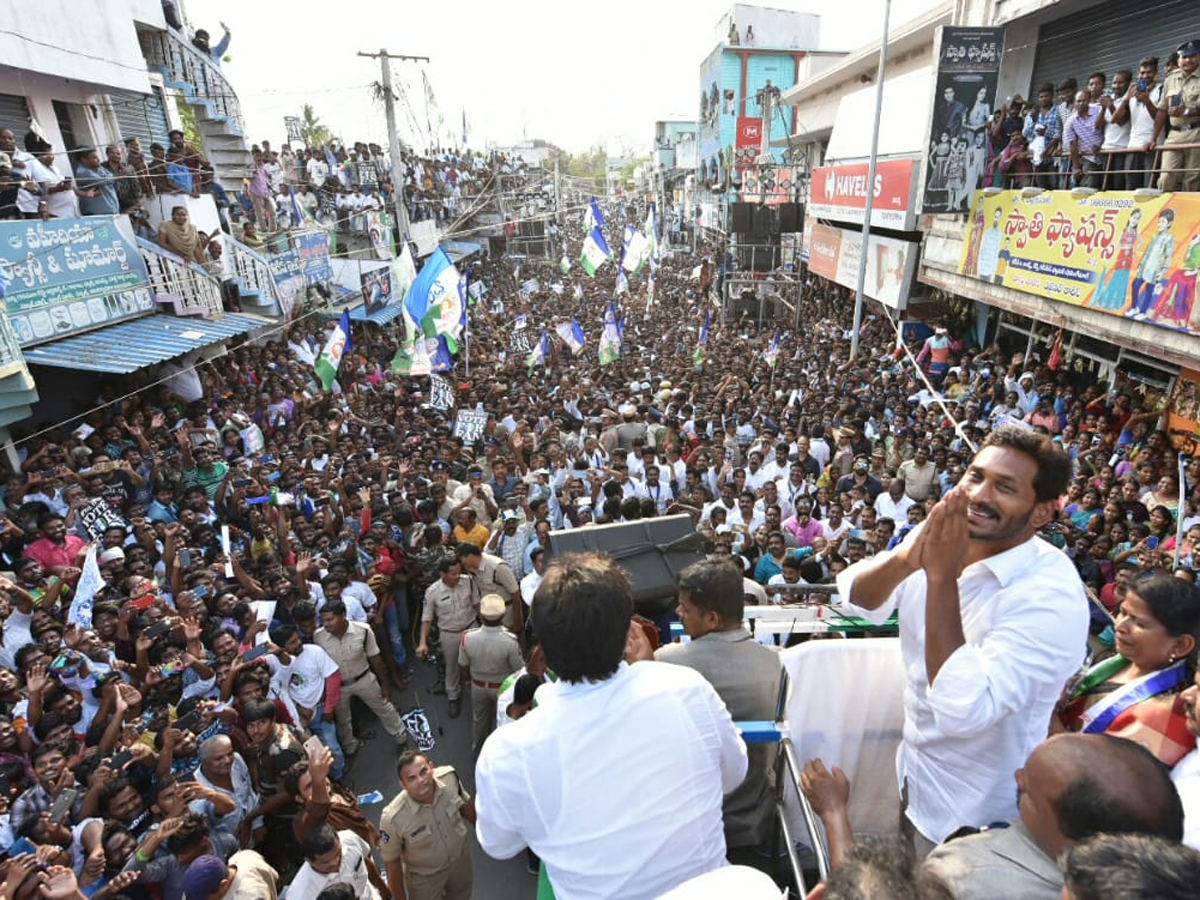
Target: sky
(519,69)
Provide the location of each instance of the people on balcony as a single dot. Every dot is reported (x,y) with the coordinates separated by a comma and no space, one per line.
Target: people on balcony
(97,185)
(1181,108)
(201,42)
(180,236)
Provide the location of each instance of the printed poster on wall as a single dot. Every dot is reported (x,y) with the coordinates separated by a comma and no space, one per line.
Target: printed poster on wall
(1183,413)
(66,275)
(963,103)
(833,253)
(377,288)
(1113,253)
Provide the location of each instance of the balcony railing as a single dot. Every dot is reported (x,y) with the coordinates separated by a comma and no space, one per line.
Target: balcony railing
(186,68)
(192,290)
(253,271)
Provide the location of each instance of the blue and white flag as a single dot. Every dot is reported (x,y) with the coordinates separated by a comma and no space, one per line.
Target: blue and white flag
(772,354)
(595,252)
(330,359)
(593,218)
(434,300)
(610,337)
(698,356)
(572,336)
(540,352)
(90,581)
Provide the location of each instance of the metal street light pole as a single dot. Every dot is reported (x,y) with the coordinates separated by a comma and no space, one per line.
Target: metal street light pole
(866,229)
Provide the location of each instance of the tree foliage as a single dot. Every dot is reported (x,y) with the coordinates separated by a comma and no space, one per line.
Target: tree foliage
(314,131)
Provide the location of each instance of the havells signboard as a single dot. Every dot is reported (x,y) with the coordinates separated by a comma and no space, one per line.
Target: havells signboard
(839,193)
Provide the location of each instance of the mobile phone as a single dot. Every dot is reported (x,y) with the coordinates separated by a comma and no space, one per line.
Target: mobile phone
(255,653)
(189,721)
(61,808)
(241,482)
(272,476)
(1142,85)
(649,629)
(174,667)
(143,602)
(1152,542)
(313,745)
(120,760)
(200,590)
(156,631)
(266,459)
(21,845)
(185,557)
(185,778)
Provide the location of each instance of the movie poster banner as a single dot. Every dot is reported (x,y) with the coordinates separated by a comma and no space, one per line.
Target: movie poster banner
(963,103)
(1111,252)
(1183,413)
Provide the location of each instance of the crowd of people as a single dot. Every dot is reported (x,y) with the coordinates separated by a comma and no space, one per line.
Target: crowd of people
(203,574)
(1118,132)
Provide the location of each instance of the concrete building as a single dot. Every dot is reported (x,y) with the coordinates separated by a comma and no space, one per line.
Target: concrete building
(1013,263)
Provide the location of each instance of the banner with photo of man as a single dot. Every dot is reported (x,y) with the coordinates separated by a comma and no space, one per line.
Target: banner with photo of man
(963,103)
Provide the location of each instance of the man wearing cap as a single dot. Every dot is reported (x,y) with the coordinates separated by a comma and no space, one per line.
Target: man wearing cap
(450,602)
(1181,107)
(490,653)
(630,429)
(492,575)
(510,541)
(245,877)
(860,476)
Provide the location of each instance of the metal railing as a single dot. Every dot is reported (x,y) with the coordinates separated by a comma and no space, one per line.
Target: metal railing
(253,271)
(1122,168)
(185,67)
(171,276)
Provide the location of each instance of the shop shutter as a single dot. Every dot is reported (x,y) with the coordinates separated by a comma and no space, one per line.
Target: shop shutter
(142,116)
(1110,36)
(14,114)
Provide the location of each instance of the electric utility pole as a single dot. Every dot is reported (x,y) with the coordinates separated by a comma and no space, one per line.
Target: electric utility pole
(389,109)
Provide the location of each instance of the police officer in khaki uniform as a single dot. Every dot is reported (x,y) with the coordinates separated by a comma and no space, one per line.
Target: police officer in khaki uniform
(491,575)
(451,602)
(423,833)
(1180,104)
(489,654)
(353,647)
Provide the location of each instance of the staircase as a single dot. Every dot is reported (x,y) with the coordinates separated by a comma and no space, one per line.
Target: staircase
(210,95)
(255,280)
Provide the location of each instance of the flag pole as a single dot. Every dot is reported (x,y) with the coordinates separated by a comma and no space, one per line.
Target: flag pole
(866,229)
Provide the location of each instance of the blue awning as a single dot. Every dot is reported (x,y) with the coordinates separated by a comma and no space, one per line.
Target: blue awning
(129,346)
(457,250)
(379,316)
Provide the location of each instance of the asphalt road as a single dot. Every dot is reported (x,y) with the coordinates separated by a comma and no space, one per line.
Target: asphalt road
(375,769)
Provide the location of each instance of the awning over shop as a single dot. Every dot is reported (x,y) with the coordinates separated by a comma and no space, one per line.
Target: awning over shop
(378,317)
(360,314)
(457,250)
(129,346)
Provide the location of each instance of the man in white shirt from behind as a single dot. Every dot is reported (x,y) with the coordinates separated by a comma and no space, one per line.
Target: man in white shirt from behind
(1186,774)
(991,628)
(619,817)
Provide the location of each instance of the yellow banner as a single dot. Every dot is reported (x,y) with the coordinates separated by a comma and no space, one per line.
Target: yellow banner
(1110,252)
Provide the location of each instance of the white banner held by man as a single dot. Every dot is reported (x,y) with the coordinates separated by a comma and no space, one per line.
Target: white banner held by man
(469,425)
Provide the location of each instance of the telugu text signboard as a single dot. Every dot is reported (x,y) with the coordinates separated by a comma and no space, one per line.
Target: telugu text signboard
(68,275)
(1113,253)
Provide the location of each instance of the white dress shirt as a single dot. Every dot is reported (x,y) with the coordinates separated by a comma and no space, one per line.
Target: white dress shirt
(1186,777)
(1025,620)
(352,870)
(896,510)
(630,816)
